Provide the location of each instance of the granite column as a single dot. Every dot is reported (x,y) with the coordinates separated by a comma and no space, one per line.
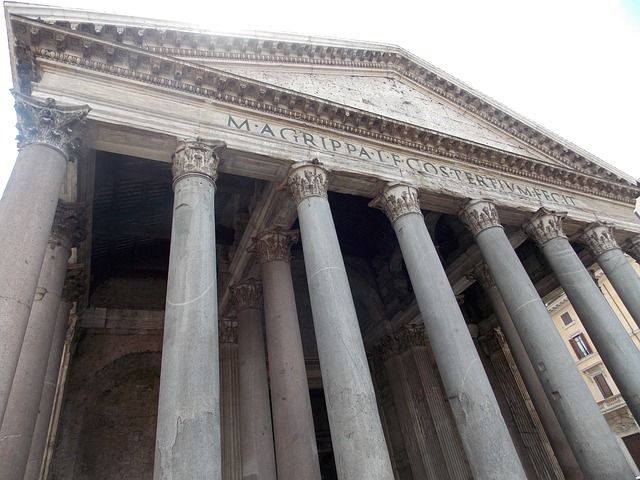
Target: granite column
(552,427)
(74,285)
(356,432)
(619,353)
(616,266)
(591,440)
(188,431)
(484,434)
(22,409)
(256,434)
(296,450)
(48,133)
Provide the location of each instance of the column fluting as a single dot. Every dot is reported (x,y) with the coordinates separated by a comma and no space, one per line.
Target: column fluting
(256,433)
(610,338)
(593,443)
(552,427)
(359,445)
(295,440)
(484,434)
(48,134)
(188,431)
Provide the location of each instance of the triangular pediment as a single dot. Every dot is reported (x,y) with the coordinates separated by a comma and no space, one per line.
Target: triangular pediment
(377,91)
(390,96)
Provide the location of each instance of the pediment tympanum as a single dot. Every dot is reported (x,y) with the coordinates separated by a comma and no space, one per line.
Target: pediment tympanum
(395,98)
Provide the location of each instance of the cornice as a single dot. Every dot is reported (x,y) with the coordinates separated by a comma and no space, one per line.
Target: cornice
(137,54)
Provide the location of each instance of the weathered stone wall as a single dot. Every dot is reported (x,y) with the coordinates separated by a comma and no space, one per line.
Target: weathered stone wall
(108,419)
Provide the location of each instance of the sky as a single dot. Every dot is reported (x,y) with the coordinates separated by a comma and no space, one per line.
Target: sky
(572,66)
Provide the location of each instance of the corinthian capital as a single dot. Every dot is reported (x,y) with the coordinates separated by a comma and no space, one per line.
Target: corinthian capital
(46,122)
(308,179)
(482,275)
(274,245)
(632,247)
(598,237)
(544,226)
(478,215)
(198,157)
(247,294)
(397,199)
(69,224)
(400,341)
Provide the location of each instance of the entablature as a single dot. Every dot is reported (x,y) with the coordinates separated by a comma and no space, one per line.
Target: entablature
(146,54)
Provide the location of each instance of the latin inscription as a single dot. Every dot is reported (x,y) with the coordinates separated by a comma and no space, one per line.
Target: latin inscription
(416,165)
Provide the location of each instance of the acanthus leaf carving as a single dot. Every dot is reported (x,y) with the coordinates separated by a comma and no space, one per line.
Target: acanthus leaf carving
(46,122)
(544,226)
(632,247)
(274,245)
(307,179)
(478,215)
(397,199)
(598,237)
(69,224)
(247,294)
(196,156)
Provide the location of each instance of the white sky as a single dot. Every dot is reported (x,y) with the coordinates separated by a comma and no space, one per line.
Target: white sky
(572,66)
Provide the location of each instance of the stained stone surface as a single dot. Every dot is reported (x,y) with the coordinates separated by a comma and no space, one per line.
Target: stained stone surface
(393,98)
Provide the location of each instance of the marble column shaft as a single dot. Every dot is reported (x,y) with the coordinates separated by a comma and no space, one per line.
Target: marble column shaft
(295,439)
(592,442)
(41,429)
(188,431)
(615,346)
(616,266)
(47,132)
(484,434)
(356,432)
(552,427)
(256,433)
(22,409)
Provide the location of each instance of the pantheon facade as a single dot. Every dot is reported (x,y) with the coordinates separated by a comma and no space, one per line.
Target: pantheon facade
(269,257)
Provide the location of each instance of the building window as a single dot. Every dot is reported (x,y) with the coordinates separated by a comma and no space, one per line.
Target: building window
(603,386)
(566,319)
(580,346)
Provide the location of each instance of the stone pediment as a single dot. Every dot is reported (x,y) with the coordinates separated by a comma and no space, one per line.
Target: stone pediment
(393,97)
(408,102)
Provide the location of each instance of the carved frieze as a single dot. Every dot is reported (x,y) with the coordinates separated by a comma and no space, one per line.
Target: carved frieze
(478,215)
(274,245)
(247,294)
(47,122)
(308,179)
(632,247)
(598,237)
(544,226)
(196,156)
(69,224)
(397,199)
